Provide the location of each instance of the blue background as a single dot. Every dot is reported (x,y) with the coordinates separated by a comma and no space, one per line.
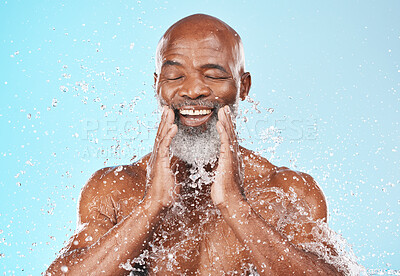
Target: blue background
(76,95)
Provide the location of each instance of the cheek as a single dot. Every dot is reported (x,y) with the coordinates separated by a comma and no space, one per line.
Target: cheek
(226,91)
(166,93)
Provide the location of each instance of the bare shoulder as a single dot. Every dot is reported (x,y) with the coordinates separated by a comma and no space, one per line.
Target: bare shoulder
(109,195)
(305,188)
(255,166)
(263,175)
(113,189)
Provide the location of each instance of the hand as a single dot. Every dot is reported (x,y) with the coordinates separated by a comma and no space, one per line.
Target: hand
(227,185)
(161,179)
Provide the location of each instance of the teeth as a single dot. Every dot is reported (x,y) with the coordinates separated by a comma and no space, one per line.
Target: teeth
(195,112)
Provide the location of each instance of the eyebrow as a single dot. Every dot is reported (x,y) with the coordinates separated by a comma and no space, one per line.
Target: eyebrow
(171,62)
(214,66)
(205,66)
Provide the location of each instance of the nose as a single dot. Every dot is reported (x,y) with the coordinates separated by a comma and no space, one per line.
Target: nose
(194,87)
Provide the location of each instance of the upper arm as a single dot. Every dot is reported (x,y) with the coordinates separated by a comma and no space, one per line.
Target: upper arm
(293,203)
(305,188)
(96,214)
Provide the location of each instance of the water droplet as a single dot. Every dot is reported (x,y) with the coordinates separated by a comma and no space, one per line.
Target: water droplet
(64,269)
(63,89)
(29,115)
(54,102)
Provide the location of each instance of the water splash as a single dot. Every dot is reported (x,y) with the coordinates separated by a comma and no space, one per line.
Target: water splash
(290,210)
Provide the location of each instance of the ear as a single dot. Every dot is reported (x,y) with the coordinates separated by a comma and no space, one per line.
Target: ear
(245,84)
(155,80)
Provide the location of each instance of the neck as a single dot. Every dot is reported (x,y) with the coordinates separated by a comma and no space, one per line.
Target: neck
(196,182)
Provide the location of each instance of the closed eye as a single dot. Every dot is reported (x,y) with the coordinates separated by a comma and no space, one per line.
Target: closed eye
(217,78)
(176,78)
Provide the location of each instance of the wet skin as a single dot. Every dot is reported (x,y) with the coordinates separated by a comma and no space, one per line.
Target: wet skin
(223,226)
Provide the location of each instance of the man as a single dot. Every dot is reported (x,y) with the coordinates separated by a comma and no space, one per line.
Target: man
(199,203)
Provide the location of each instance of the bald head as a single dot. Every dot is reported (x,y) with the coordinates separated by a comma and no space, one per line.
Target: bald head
(198,28)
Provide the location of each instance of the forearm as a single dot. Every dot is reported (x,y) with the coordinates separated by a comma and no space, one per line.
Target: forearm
(124,241)
(271,252)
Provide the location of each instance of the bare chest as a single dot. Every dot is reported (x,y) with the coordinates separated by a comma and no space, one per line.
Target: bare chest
(195,241)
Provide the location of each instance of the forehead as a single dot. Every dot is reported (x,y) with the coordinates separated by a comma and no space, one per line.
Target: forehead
(194,45)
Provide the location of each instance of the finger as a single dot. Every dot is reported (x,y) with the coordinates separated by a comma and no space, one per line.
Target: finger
(158,135)
(163,113)
(225,143)
(165,143)
(170,116)
(165,124)
(223,120)
(231,134)
(223,116)
(231,128)
(168,121)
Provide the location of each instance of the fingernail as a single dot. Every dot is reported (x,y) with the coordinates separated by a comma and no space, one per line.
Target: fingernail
(218,126)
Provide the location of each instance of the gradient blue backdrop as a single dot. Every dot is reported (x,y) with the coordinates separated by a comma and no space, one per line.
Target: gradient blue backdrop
(76,95)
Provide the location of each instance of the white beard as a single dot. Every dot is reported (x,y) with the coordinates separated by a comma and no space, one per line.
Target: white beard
(196,146)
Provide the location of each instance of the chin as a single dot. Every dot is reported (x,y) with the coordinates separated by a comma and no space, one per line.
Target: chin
(197,146)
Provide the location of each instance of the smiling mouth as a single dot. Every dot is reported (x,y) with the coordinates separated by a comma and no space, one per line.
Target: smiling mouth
(194,116)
